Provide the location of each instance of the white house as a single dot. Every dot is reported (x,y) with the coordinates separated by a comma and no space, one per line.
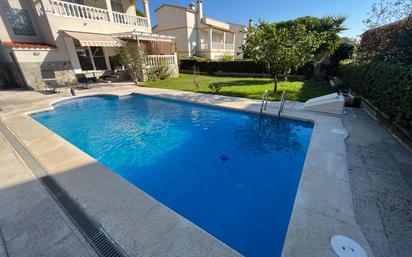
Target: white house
(240,38)
(197,34)
(68,40)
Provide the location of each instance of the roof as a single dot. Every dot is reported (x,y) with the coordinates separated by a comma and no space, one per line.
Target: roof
(237,24)
(174,6)
(22,45)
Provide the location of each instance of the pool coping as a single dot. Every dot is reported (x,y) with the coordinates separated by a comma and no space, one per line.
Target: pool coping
(323,206)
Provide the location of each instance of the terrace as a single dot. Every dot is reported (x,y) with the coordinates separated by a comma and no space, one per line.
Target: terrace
(98,11)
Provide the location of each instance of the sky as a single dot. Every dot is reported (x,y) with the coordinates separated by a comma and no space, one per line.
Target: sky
(240,11)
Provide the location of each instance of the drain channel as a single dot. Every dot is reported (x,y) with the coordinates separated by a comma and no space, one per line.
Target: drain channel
(93,233)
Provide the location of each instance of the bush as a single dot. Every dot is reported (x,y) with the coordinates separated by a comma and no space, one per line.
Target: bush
(388,86)
(215,87)
(158,72)
(226,58)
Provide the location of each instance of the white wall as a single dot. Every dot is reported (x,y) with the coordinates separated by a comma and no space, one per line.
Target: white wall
(41,55)
(174,22)
(239,40)
(6,32)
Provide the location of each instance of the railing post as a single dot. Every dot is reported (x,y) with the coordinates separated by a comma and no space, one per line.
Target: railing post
(110,11)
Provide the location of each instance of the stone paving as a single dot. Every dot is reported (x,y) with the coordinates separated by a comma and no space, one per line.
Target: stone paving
(380,170)
(31,222)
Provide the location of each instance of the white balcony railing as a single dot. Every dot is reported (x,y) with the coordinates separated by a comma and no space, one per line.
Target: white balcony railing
(221,46)
(160,60)
(130,20)
(78,11)
(74,10)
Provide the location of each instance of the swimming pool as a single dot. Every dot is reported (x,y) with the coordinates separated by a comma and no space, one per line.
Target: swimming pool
(228,172)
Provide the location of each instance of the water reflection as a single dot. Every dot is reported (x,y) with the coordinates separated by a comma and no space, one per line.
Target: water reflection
(263,136)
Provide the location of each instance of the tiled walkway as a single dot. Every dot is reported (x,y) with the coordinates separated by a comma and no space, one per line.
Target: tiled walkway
(31,222)
(380,170)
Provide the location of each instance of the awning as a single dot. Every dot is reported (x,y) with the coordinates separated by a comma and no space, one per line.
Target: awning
(95,39)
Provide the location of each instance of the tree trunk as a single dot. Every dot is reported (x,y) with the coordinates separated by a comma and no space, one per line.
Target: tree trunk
(316,70)
(275,86)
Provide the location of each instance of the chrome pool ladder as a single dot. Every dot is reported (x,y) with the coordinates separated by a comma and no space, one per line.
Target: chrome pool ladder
(282,103)
(264,102)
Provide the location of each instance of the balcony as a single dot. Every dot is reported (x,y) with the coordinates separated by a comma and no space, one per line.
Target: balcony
(79,11)
(217,46)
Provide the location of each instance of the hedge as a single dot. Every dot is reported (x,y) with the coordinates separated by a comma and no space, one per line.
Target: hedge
(387,86)
(223,66)
(237,66)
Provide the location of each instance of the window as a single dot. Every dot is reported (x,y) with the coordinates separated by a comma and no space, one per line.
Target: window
(20,22)
(117,7)
(91,59)
(84,58)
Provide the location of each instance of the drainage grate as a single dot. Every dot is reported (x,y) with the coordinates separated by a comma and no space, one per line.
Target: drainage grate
(93,233)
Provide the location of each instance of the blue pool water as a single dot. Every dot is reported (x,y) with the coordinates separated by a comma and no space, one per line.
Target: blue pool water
(225,171)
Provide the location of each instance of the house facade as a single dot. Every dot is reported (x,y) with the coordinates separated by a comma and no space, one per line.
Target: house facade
(240,38)
(196,34)
(64,41)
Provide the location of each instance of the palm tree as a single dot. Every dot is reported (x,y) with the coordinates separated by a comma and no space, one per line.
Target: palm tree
(329,28)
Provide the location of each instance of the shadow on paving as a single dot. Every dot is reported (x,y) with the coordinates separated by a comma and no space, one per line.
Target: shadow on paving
(380,170)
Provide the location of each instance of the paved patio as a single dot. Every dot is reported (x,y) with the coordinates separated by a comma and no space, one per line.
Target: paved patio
(31,222)
(369,200)
(380,170)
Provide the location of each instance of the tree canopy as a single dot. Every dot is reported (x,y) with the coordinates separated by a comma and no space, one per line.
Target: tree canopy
(384,12)
(285,46)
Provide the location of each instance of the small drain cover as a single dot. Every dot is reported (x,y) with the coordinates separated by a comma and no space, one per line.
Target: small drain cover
(339,131)
(346,247)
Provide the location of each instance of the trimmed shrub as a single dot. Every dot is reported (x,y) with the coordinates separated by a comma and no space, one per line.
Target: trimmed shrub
(223,66)
(388,86)
(237,66)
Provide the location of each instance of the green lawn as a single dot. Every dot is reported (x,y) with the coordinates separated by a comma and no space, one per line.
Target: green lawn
(246,87)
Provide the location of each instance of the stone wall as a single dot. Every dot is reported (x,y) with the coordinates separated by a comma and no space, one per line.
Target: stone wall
(10,76)
(38,75)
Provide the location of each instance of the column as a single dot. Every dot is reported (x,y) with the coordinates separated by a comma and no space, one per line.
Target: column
(147,14)
(210,39)
(106,59)
(224,40)
(74,59)
(234,42)
(109,8)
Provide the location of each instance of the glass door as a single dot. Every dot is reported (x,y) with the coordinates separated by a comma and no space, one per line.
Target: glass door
(98,58)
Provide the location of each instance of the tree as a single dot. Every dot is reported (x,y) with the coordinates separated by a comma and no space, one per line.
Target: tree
(130,56)
(281,47)
(387,11)
(139,13)
(327,31)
